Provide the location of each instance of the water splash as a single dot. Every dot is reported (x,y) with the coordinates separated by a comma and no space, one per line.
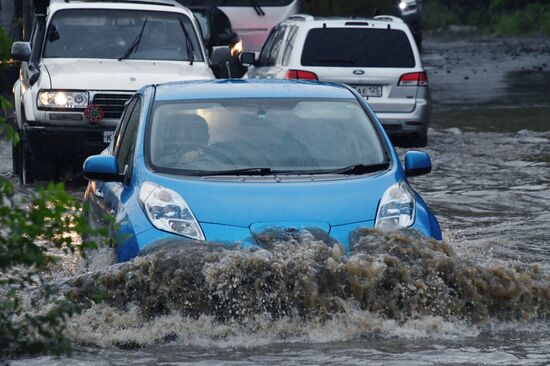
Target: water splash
(396,284)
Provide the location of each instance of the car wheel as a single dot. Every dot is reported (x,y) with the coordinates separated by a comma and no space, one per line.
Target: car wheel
(419,140)
(15,158)
(28,164)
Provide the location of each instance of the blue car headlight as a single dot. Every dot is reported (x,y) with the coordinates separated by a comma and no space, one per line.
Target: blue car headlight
(397,207)
(168,211)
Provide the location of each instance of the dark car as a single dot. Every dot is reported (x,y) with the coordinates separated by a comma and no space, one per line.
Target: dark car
(217,30)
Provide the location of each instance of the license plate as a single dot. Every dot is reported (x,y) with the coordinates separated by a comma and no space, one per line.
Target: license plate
(369,90)
(108,136)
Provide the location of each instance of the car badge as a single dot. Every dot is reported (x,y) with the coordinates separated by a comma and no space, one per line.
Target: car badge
(358,72)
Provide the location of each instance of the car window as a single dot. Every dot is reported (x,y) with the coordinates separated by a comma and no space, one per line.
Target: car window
(37,38)
(289,134)
(290,40)
(122,124)
(204,23)
(357,47)
(128,138)
(264,54)
(277,46)
(112,34)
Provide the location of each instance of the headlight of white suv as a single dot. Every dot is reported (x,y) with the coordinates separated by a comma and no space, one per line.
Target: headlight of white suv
(168,211)
(397,208)
(62,99)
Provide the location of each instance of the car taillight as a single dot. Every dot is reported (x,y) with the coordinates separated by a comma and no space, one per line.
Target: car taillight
(413,79)
(301,74)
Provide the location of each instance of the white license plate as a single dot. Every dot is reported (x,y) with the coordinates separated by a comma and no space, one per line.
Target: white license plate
(108,136)
(369,90)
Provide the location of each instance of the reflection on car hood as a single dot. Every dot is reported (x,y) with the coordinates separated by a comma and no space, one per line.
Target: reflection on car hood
(102,74)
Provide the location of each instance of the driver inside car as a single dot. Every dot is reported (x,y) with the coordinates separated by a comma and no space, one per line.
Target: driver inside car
(185,140)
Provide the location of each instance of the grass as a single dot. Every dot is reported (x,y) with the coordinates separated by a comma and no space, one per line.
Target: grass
(531,19)
(534,19)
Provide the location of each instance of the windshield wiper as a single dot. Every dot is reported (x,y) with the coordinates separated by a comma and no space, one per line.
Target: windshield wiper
(359,169)
(243,171)
(188,43)
(134,44)
(257,7)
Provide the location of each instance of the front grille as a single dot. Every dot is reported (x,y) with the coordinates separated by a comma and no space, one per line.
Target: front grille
(112,104)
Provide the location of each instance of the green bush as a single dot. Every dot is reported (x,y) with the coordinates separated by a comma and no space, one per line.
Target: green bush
(503,17)
(534,19)
(437,16)
(33,232)
(5,45)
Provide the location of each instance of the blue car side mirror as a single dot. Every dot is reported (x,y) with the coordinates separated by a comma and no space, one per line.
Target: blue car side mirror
(417,163)
(102,167)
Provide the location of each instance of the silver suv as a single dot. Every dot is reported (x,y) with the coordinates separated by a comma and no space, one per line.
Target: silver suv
(378,57)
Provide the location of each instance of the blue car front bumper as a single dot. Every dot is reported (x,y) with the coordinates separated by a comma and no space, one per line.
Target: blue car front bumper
(425,223)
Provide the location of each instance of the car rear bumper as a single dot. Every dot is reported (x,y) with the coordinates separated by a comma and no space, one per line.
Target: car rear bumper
(402,124)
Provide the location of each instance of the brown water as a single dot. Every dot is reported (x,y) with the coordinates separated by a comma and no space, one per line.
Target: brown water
(479,298)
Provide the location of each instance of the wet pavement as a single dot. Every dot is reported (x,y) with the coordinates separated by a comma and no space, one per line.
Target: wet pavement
(490,189)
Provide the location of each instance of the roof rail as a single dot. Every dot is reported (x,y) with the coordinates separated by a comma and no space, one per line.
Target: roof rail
(389,18)
(302,17)
(143,2)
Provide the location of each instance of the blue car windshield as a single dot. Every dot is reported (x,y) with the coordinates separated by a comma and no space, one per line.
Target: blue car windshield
(290,136)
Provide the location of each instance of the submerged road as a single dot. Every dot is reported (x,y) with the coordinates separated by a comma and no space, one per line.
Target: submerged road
(490,188)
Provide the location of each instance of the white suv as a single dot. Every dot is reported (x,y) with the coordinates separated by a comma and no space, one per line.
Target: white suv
(84,60)
(378,57)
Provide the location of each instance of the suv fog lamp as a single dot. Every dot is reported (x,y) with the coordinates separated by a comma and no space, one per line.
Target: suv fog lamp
(168,211)
(397,207)
(62,99)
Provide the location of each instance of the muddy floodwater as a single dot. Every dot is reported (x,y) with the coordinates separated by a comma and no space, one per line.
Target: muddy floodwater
(482,297)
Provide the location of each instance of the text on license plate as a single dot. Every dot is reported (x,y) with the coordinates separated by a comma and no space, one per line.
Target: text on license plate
(108,136)
(369,90)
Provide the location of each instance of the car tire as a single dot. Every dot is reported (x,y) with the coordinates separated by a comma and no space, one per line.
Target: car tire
(419,140)
(15,158)
(28,171)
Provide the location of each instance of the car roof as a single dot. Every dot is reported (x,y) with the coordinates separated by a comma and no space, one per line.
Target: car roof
(144,2)
(250,88)
(166,5)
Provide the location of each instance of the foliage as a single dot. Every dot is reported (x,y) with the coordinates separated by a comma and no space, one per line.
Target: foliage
(533,19)
(5,45)
(503,17)
(34,231)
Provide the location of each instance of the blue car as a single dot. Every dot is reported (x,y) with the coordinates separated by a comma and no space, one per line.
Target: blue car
(225,160)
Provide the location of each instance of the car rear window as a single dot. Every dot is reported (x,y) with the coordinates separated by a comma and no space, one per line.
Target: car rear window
(357,47)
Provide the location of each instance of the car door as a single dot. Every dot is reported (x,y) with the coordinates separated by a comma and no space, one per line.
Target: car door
(268,65)
(108,198)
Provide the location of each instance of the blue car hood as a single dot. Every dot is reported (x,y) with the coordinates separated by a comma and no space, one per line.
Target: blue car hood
(334,202)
